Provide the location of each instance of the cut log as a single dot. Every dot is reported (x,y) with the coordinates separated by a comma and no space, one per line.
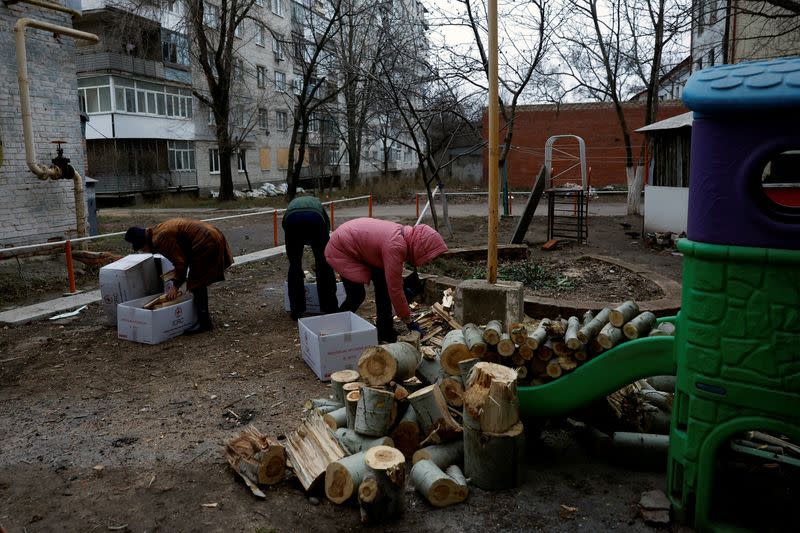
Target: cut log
(590,330)
(321,405)
(518,333)
(454,350)
(442,455)
(445,315)
(545,351)
(560,348)
(640,325)
(336,419)
(491,397)
(567,363)
(517,359)
(655,420)
(381,493)
(473,336)
(438,488)
(539,335)
(400,392)
(354,442)
(538,367)
(522,372)
(465,367)
(412,338)
(571,336)
(662,383)
(256,457)
(556,328)
(662,400)
(587,317)
(667,327)
(492,332)
(343,477)
(506,346)
(610,336)
(433,416)
(430,371)
(311,448)
(397,361)
(338,381)
(453,390)
(374,412)
(406,434)
(413,384)
(580,354)
(457,475)
(525,351)
(350,407)
(553,369)
(595,347)
(622,314)
(493,461)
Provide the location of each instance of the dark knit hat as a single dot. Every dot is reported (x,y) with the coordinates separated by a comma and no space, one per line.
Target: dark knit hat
(137,237)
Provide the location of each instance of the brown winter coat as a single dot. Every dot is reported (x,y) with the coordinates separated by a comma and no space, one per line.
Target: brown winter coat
(195,245)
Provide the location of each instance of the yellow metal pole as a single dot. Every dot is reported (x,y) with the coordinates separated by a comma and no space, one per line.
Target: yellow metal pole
(494,138)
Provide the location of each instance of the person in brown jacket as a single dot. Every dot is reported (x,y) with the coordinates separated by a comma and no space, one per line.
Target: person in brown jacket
(190,245)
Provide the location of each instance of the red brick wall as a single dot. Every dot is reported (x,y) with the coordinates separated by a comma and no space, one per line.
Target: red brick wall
(596,123)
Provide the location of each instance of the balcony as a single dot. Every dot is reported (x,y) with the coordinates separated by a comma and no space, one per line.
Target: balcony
(101,61)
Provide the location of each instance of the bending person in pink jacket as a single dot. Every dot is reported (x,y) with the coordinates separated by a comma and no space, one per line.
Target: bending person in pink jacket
(369,249)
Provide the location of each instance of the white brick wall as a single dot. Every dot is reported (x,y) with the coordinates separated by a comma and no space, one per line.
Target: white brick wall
(32,210)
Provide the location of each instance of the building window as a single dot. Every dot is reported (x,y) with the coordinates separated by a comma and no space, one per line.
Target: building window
(280,82)
(211,16)
(174,48)
(261,76)
(241,161)
(263,118)
(238,115)
(213,160)
(313,123)
(143,98)
(297,86)
(238,69)
(259,3)
(281,120)
(212,120)
(181,155)
(277,7)
(261,35)
(277,49)
(333,156)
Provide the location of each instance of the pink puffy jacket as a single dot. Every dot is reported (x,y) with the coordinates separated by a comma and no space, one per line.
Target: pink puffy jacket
(361,244)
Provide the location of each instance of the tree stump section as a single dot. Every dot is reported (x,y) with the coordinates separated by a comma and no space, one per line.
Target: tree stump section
(493,461)
(379,365)
(590,330)
(338,381)
(438,488)
(381,493)
(491,397)
(354,442)
(454,350)
(406,434)
(610,336)
(430,370)
(640,325)
(433,416)
(374,412)
(473,336)
(442,455)
(492,332)
(343,477)
(311,448)
(622,314)
(506,346)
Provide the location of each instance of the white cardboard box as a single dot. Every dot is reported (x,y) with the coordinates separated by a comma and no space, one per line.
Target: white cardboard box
(153,327)
(131,277)
(312,298)
(334,342)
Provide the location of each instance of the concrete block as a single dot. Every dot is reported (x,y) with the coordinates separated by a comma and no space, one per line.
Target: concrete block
(479,301)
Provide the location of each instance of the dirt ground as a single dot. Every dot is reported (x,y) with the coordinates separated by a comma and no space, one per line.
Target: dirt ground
(101,433)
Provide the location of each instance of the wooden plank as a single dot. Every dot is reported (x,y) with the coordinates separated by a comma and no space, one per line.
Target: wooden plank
(530,208)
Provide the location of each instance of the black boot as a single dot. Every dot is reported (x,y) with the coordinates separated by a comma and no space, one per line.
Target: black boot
(203,316)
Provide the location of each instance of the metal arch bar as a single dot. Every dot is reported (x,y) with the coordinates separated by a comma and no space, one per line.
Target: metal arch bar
(548,158)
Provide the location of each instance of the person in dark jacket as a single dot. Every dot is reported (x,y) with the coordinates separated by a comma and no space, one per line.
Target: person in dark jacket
(305,222)
(198,251)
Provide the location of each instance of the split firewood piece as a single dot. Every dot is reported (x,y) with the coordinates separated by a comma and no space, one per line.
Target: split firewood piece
(454,349)
(556,328)
(412,338)
(545,351)
(338,381)
(321,405)
(397,361)
(438,488)
(571,336)
(311,448)
(343,477)
(374,412)
(610,336)
(493,461)
(433,416)
(381,492)
(491,397)
(473,336)
(525,351)
(590,330)
(518,333)
(553,369)
(430,370)
(567,363)
(256,457)
(351,406)
(444,315)
(442,455)
(433,332)
(789,446)
(622,314)
(539,335)
(492,332)
(453,390)
(336,419)
(428,352)
(406,434)
(640,325)
(413,384)
(465,367)
(505,346)
(400,392)
(354,442)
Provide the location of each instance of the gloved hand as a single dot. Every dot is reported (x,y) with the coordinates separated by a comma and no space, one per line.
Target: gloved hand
(413,326)
(409,294)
